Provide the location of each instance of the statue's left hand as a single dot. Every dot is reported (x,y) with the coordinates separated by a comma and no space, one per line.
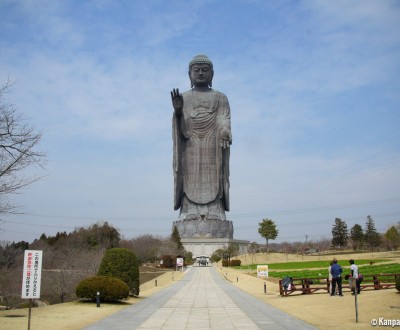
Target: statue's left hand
(226,138)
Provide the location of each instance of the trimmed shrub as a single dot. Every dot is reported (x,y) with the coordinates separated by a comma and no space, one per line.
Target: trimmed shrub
(235,263)
(121,263)
(215,257)
(397,283)
(110,288)
(232,263)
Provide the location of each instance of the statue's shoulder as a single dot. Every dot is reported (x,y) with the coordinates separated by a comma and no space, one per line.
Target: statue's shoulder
(187,95)
(219,94)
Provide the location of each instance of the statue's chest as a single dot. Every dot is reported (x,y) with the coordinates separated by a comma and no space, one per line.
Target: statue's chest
(203,106)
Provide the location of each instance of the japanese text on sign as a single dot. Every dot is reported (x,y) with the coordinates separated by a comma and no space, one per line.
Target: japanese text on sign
(32,274)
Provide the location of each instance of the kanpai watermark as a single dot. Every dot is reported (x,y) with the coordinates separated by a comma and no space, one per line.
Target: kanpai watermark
(382,322)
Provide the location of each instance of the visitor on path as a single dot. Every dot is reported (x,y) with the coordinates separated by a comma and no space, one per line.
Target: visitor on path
(354,277)
(330,277)
(336,271)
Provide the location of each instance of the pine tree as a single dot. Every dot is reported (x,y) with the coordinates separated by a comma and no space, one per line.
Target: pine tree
(371,236)
(339,233)
(176,238)
(357,236)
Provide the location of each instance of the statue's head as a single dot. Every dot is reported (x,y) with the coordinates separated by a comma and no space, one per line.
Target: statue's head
(201,71)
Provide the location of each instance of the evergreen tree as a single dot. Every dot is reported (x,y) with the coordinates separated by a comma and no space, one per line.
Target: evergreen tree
(371,236)
(339,233)
(267,229)
(176,238)
(357,236)
(121,263)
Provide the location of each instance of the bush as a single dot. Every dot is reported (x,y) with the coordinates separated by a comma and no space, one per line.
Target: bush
(215,257)
(235,263)
(232,263)
(398,283)
(121,263)
(110,288)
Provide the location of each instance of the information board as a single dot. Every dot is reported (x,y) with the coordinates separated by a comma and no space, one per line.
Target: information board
(262,270)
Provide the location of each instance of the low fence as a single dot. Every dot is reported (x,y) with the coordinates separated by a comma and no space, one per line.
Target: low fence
(312,284)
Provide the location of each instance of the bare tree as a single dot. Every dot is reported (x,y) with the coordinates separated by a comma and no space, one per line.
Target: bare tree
(18,142)
(146,247)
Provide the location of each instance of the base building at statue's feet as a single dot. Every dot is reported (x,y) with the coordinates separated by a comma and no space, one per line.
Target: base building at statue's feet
(203,237)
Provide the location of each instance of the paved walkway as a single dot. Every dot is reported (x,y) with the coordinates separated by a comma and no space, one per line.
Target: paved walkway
(202,300)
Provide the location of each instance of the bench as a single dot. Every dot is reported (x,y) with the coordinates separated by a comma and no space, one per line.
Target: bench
(381,281)
(304,285)
(312,284)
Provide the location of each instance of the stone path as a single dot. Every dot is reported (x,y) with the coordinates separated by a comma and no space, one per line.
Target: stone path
(202,300)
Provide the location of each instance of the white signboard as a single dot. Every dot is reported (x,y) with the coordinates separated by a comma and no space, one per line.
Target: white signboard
(179,262)
(32,274)
(262,270)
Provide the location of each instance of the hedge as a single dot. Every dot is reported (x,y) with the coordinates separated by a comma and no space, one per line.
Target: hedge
(110,288)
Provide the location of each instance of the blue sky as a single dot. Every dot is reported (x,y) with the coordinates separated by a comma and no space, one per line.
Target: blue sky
(314,90)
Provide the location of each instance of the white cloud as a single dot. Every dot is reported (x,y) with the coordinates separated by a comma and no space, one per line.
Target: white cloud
(303,82)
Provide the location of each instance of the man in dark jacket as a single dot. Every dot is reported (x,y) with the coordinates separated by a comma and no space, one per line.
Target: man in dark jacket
(336,271)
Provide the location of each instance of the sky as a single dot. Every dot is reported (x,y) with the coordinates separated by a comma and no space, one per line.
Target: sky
(314,91)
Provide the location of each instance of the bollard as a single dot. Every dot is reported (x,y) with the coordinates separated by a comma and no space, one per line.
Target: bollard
(237,279)
(265,287)
(98,299)
(155,282)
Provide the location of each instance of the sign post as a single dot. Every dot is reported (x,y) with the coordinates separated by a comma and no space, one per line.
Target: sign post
(179,263)
(262,271)
(31,278)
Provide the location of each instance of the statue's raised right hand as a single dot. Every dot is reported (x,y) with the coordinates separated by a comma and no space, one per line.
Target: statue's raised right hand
(177,101)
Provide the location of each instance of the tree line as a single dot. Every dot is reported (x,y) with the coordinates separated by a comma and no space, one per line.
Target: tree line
(366,237)
(357,238)
(70,257)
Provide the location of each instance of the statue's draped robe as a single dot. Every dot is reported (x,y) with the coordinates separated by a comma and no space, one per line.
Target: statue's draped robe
(201,165)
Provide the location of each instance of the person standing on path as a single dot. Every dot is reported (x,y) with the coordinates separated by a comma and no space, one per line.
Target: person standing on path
(336,271)
(354,277)
(330,277)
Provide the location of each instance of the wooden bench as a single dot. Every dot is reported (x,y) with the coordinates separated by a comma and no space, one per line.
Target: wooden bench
(382,281)
(305,285)
(312,284)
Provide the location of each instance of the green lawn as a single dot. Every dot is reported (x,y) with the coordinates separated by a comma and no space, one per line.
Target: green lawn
(320,268)
(311,264)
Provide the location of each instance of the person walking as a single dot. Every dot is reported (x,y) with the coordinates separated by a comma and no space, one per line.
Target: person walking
(336,271)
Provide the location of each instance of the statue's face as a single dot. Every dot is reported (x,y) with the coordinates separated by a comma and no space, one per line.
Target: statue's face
(201,75)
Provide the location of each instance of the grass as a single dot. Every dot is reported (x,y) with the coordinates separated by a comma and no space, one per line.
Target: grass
(291,269)
(309,264)
(366,270)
